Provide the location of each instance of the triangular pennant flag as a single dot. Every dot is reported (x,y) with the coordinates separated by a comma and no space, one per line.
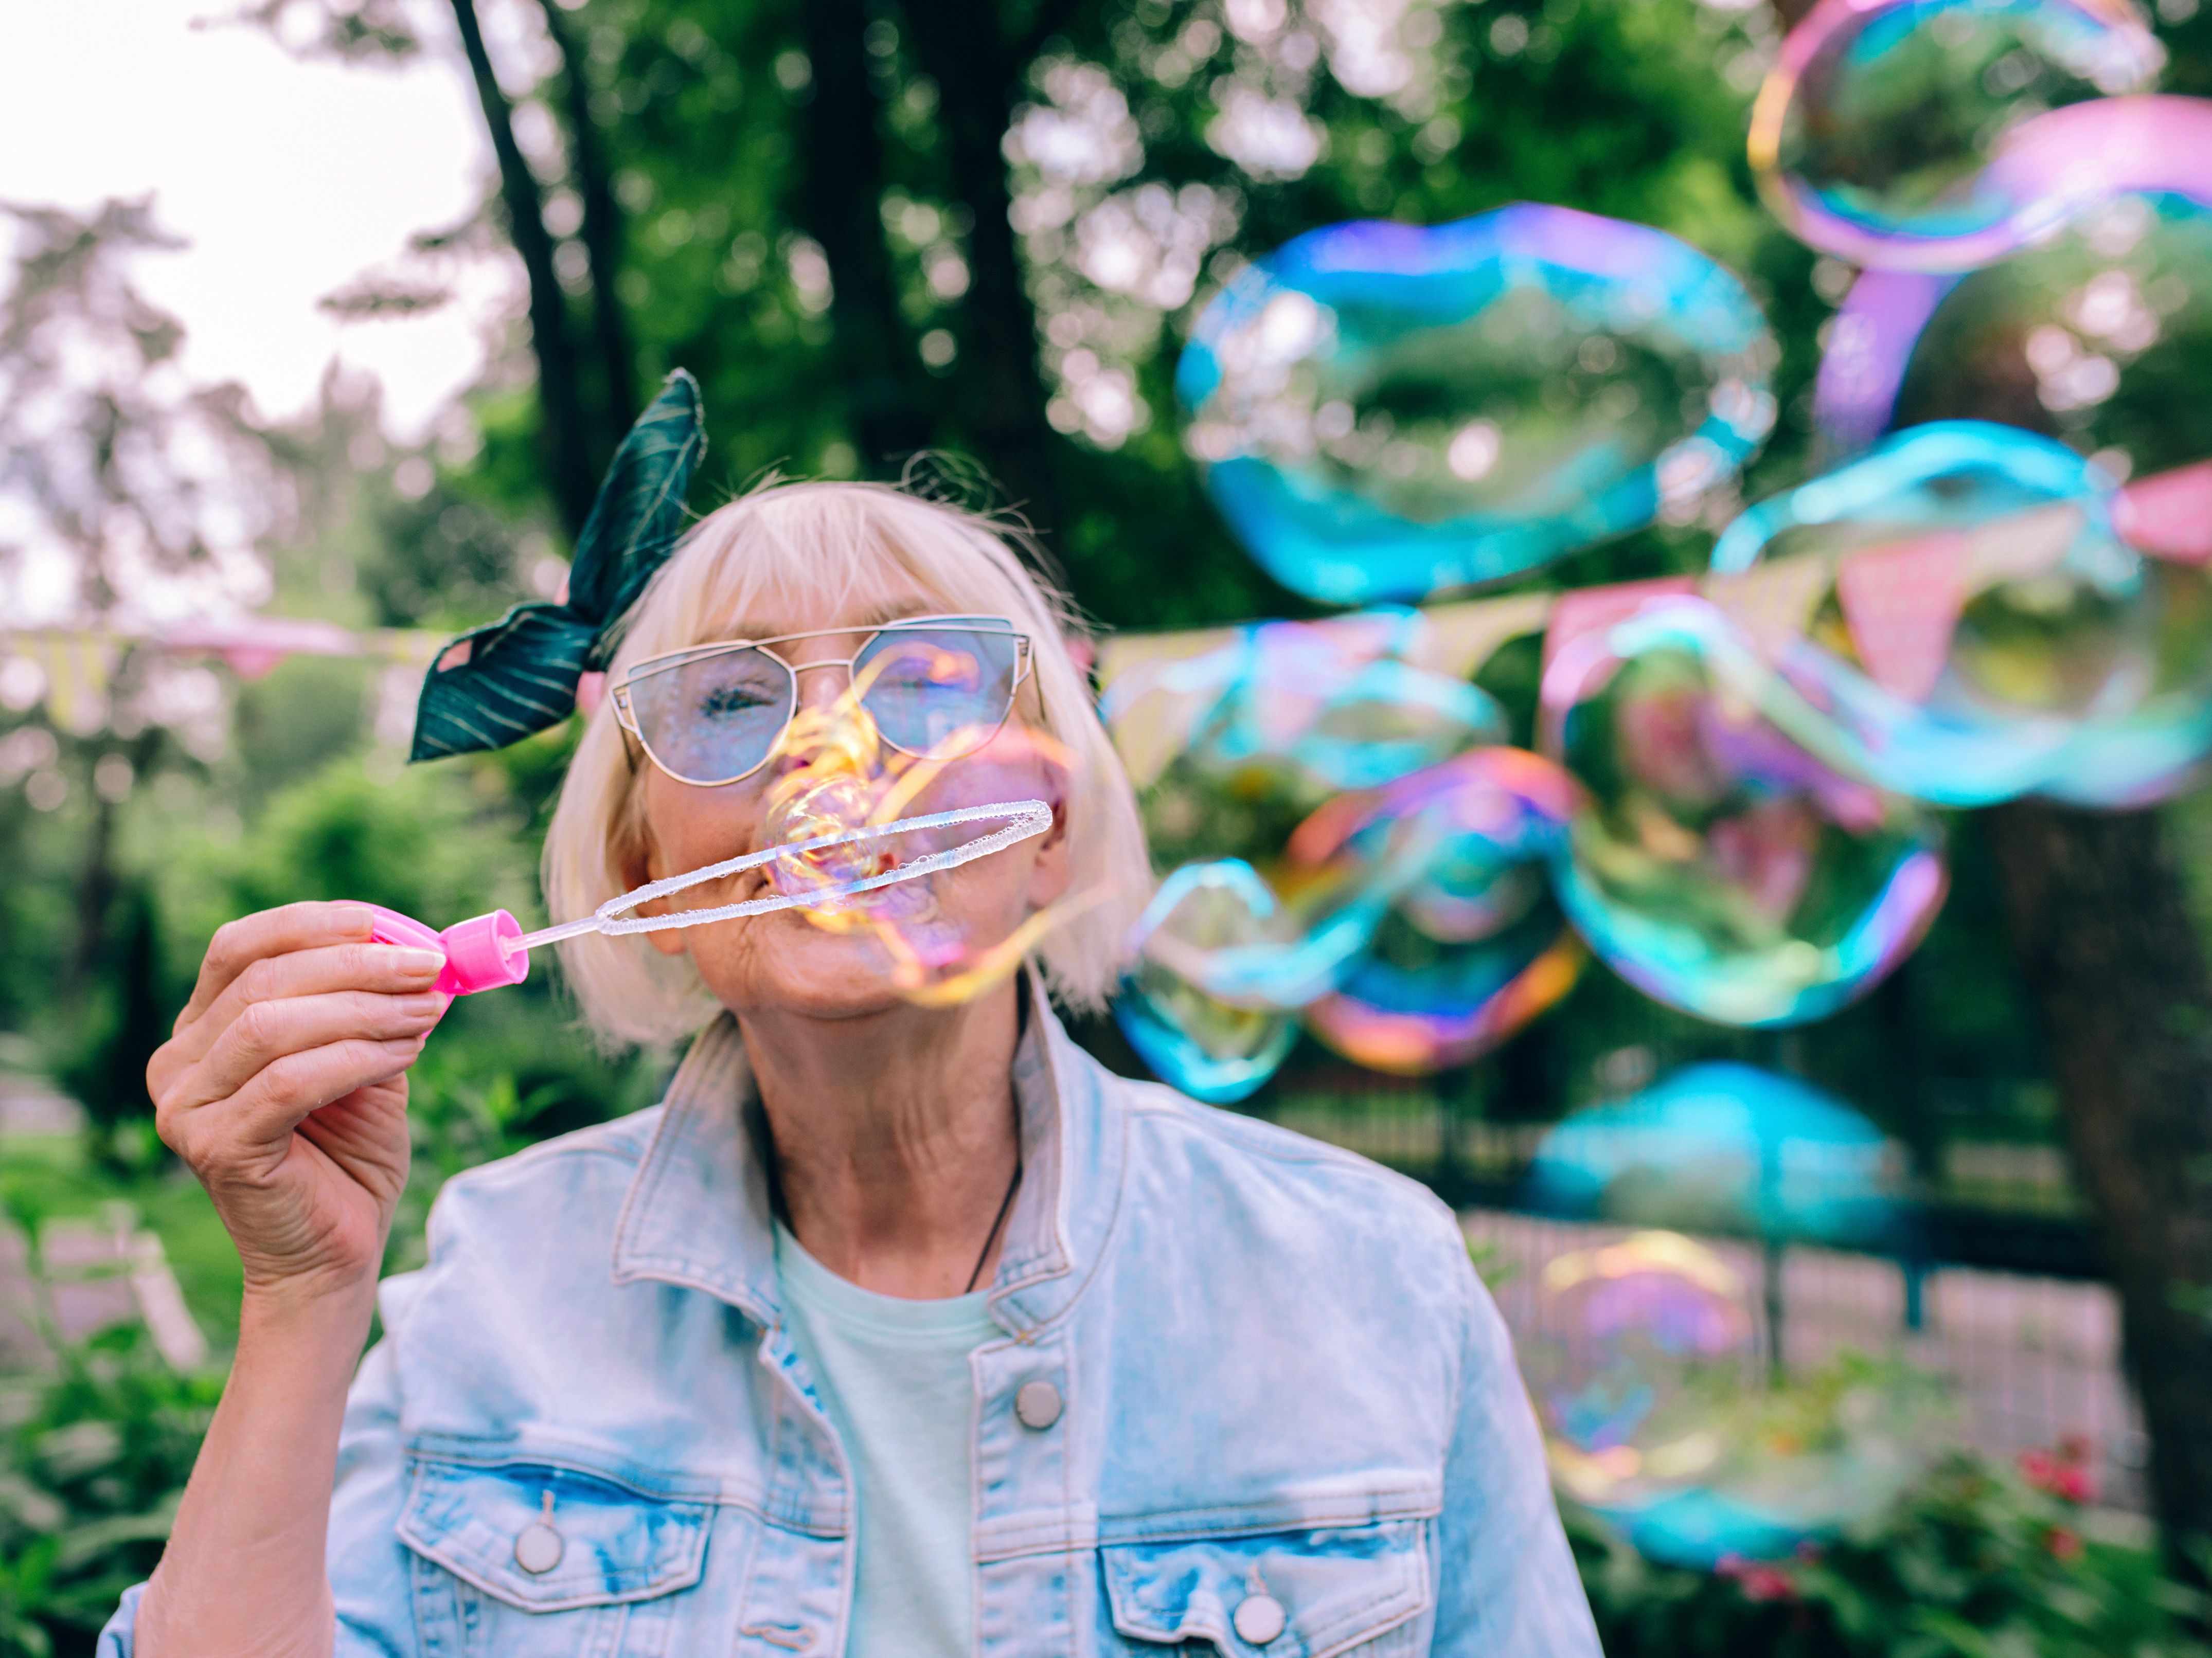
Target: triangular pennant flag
(1771,604)
(1585,610)
(1901,603)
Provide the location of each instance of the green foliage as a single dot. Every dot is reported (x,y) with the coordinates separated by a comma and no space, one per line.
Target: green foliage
(1971,1562)
(94,1451)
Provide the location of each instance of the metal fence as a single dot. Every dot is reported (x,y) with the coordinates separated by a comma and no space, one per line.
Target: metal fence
(2000,1299)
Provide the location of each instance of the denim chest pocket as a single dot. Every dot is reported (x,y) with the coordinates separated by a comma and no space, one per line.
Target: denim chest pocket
(521,1559)
(1304,1594)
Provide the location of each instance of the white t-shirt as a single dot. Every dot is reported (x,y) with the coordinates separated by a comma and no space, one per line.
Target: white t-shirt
(894,1376)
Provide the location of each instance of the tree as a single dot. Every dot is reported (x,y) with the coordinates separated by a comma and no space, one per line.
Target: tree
(871,228)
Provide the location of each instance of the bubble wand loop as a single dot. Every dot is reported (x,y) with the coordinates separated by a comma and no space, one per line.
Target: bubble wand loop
(487,951)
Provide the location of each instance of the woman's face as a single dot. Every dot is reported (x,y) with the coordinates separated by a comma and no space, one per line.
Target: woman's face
(786,961)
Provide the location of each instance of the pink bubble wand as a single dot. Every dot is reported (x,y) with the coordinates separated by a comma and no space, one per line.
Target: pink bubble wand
(487,951)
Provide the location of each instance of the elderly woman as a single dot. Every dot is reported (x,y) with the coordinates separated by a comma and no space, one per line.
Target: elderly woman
(900,1327)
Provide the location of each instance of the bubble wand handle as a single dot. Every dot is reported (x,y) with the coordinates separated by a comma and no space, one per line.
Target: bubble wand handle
(487,951)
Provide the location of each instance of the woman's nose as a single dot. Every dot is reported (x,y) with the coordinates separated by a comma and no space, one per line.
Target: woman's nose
(821,683)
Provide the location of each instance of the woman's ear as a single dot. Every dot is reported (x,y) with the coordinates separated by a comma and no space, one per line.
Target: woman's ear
(1051,870)
(639,861)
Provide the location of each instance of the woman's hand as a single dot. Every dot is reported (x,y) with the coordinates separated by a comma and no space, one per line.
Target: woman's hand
(284,1089)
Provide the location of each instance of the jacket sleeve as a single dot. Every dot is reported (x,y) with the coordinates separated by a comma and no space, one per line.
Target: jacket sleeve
(368,1564)
(1506,1582)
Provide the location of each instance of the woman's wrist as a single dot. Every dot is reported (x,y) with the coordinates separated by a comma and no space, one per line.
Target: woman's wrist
(313,1312)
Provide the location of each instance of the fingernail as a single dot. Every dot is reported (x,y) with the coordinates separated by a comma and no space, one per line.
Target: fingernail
(409,959)
(357,918)
(423,1005)
(406,1047)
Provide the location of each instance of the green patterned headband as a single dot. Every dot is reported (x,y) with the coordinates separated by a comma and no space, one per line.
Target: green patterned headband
(500,684)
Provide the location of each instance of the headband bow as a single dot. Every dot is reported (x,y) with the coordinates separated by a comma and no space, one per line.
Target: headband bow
(500,684)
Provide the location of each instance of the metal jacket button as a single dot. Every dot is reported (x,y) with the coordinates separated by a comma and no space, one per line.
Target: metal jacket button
(1259,1620)
(1037,1405)
(538,1548)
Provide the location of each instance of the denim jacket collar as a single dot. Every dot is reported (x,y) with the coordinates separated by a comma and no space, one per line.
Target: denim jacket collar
(698,1212)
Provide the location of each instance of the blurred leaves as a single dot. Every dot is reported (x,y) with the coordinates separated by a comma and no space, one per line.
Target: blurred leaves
(1971,1562)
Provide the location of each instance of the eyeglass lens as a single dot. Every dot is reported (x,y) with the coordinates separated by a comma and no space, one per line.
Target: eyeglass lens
(932,689)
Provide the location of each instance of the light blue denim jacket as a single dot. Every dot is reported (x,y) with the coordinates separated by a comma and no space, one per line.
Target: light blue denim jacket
(1277,1375)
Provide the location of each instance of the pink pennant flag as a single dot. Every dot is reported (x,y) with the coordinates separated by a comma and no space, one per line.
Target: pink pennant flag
(1586,610)
(1902,603)
(2169,514)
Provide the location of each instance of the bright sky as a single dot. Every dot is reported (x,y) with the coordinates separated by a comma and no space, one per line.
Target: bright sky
(288,179)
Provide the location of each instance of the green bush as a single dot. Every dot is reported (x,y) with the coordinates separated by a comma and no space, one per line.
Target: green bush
(94,1450)
(1971,1562)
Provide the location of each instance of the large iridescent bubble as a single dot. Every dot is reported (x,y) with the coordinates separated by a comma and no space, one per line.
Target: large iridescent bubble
(1640,1353)
(1970,610)
(1640,1362)
(1716,861)
(1343,704)
(1210,1049)
(1725,1148)
(1472,946)
(2098,336)
(1906,135)
(1384,410)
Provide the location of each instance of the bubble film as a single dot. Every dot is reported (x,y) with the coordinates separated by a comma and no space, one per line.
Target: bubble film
(1725,1148)
(1384,410)
(944,941)
(1641,1366)
(1975,611)
(1715,861)
(1193,1040)
(1918,134)
(1472,947)
(1340,705)
(2097,337)
(1640,1352)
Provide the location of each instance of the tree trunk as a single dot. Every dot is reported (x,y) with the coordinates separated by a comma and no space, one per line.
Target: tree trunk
(574,480)
(601,234)
(962,45)
(840,205)
(2110,955)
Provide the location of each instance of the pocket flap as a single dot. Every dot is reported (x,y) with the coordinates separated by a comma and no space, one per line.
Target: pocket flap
(615,1543)
(1335,1588)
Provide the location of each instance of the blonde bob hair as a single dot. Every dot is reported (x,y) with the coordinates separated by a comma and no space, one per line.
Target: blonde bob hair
(792,545)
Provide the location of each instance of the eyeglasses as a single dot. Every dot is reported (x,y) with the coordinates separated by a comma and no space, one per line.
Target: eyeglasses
(936,686)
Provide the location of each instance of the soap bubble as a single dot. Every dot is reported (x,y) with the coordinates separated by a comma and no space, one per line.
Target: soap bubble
(1412,1006)
(1640,1352)
(1725,1148)
(1384,410)
(1641,1364)
(1193,1040)
(1716,862)
(1472,947)
(1906,134)
(836,772)
(1343,704)
(2099,335)
(1972,609)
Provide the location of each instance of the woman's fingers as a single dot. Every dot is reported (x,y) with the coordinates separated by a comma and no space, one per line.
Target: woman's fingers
(266,1031)
(388,969)
(261,1114)
(237,945)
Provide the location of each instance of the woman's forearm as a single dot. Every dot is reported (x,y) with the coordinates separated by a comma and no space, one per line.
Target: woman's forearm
(245,1570)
